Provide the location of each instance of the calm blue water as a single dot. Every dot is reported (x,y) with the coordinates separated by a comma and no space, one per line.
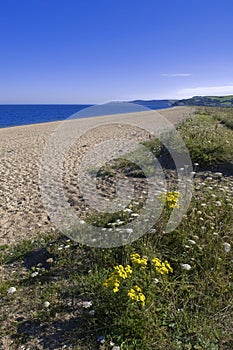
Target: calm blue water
(14,115)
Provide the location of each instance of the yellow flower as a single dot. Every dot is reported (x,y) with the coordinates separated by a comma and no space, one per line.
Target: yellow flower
(138,289)
(142,298)
(114,280)
(116,288)
(162,267)
(129,270)
(171,199)
(136,259)
(132,294)
(168,266)
(137,295)
(123,272)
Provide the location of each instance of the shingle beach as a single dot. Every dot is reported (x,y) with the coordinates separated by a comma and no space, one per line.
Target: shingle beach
(22,214)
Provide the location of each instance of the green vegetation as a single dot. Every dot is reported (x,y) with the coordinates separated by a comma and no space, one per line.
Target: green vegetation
(224,115)
(208,101)
(208,142)
(211,101)
(61,298)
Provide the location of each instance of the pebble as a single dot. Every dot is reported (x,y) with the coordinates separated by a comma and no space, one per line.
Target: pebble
(11,290)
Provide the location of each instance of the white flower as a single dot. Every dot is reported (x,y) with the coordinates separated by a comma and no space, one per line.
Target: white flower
(186,267)
(227,247)
(116,348)
(156,280)
(82,222)
(46,304)
(134,214)
(34,274)
(218,203)
(11,290)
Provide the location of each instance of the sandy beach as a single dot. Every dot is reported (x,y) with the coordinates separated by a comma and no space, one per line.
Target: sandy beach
(22,214)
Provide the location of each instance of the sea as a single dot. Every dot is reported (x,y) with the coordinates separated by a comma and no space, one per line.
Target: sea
(16,115)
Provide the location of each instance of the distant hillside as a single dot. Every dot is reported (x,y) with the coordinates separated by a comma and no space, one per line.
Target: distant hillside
(154,104)
(212,101)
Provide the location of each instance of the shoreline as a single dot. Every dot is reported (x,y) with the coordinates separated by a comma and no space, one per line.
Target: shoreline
(94,117)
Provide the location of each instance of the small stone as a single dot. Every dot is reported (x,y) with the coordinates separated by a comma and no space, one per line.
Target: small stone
(129,230)
(227,247)
(11,290)
(46,304)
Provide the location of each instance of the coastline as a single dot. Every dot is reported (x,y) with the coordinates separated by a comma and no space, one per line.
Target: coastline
(164,111)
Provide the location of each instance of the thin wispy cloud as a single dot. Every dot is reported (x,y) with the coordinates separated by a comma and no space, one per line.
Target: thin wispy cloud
(206,91)
(176,75)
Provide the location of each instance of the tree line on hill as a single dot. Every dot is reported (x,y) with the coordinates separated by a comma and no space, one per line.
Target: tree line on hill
(208,101)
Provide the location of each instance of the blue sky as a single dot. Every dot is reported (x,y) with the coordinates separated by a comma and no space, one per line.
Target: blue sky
(94,51)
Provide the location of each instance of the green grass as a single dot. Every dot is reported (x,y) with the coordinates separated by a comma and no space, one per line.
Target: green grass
(225,116)
(208,142)
(184,310)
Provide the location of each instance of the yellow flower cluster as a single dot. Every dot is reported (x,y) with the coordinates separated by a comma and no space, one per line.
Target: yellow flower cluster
(171,199)
(137,259)
(121,273)
(162,267)
(114,280)
(137,295)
